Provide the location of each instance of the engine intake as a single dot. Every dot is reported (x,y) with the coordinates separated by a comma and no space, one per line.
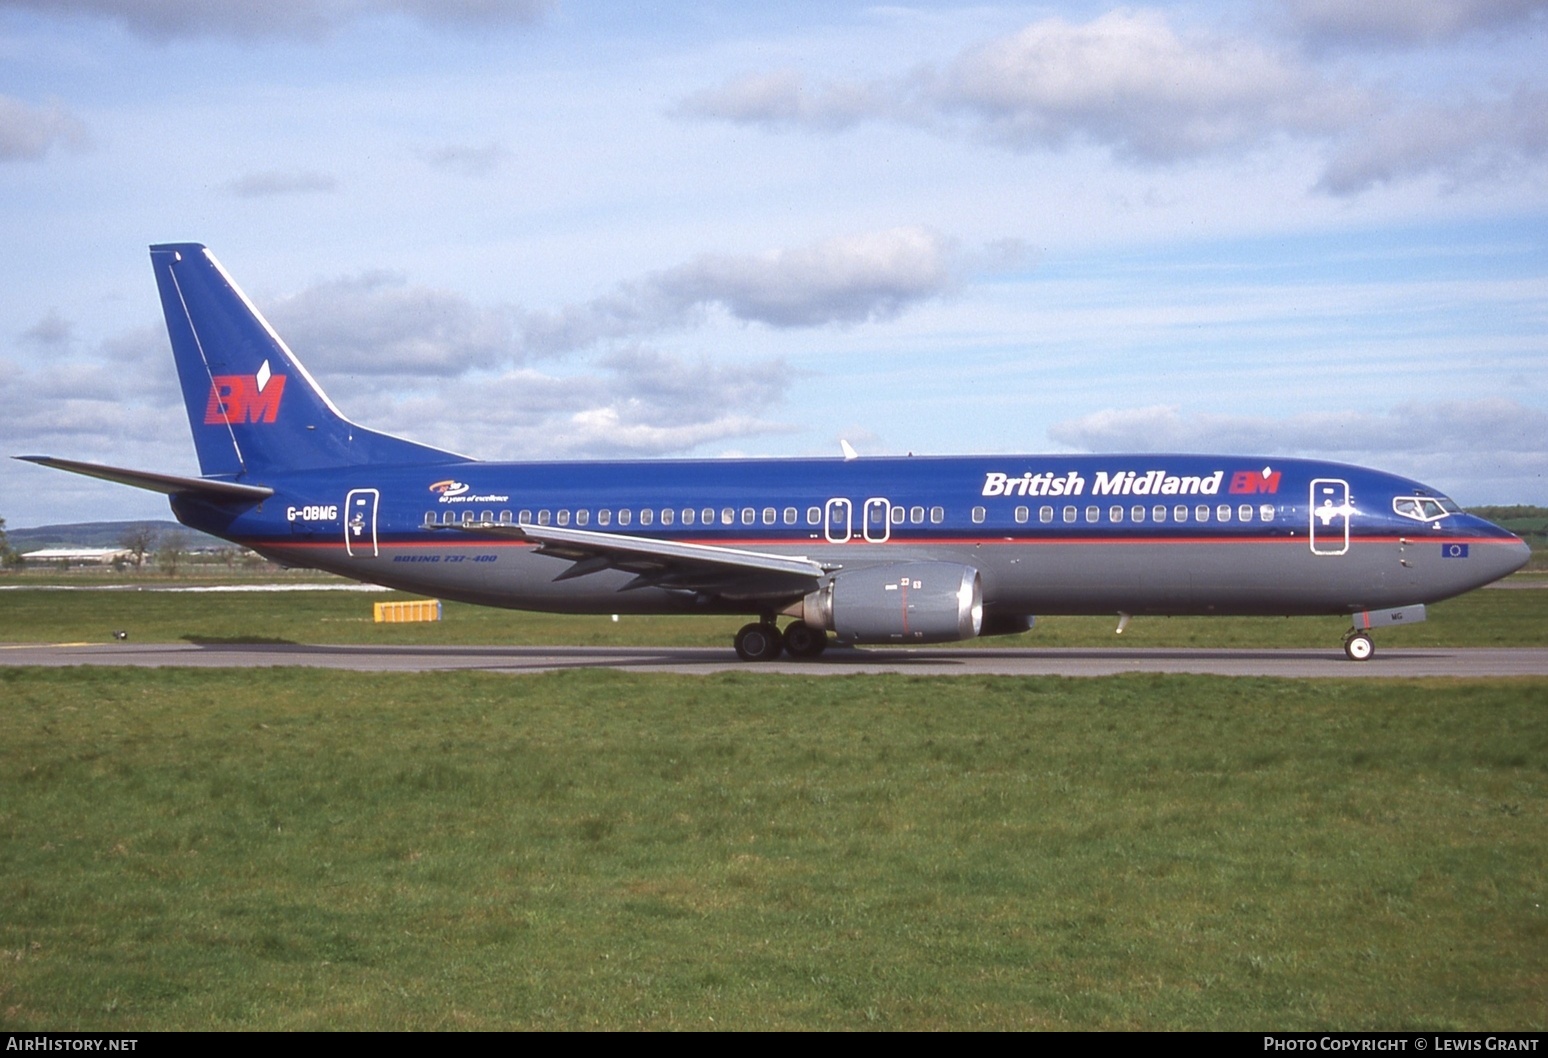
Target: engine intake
(905,602)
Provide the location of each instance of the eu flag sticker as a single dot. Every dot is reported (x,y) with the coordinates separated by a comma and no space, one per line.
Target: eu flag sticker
(1454,551)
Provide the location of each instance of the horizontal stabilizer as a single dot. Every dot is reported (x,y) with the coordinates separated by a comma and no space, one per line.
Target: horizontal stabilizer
(170,484)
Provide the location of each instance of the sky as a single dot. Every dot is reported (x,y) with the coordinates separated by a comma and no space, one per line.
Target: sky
(545,230)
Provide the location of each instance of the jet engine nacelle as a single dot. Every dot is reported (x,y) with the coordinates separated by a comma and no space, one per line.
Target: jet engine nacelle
(906,602)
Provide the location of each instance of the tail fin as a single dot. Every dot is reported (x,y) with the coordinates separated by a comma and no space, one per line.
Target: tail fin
(251,405)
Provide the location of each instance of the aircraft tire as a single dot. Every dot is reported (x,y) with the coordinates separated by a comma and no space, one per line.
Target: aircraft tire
(1359,647)
(759,642)
(805,642)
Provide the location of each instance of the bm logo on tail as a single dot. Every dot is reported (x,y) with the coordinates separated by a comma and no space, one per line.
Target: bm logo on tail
(244,398)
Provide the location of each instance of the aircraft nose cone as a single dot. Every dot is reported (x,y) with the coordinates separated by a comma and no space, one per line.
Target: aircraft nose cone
(1503,558)
(1515,556)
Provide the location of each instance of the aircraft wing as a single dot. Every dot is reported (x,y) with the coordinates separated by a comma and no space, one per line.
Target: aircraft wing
(171,484)
(668,563)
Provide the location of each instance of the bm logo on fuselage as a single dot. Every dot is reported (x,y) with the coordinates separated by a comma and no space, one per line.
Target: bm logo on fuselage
(1255,481)
(238,399)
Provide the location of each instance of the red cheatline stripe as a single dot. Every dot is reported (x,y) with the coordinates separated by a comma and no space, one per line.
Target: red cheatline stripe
(955,541)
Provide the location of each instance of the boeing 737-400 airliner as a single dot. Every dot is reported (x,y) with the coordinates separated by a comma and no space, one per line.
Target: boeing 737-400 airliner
(871,550)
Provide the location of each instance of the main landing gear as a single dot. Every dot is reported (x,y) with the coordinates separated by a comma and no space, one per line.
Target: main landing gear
(763,642)
(1359,646)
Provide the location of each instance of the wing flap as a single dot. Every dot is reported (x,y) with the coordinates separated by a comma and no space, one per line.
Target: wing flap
(666,563)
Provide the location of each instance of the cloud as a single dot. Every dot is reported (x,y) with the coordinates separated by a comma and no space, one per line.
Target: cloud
(53,331)
(631,404)
(266,19)
(27,133)
(405,354)
(272,183)
(782,97)
(1126,80)
(1463,143)
(92,405)
(1493,446)
(1149,93)
(463,159)
(850,279)
(1408,23)
(376,324)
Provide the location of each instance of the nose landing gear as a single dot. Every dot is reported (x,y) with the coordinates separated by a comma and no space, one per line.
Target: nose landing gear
(1358,645)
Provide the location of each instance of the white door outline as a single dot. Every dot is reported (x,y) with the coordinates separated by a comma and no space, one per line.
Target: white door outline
(837,518)
(1328,516)
(877,508)
(360,522)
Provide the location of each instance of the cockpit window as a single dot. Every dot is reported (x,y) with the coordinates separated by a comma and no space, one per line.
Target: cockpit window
(1422,508)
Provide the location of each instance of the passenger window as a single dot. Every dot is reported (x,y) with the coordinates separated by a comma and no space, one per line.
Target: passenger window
(1136,513)
(916,515)
(604,517)
(543,517)
(749,515)
(505,518)
(563,518)
(1201,513)
(525,517)
(467,517)
(625,516)
(1244,513)
(1022,514)
(666,516)
(770,516)
(687,515)
(1223,513)
(1069,514)
(582,517)
(728,516)
(1093,514)
(1180,513)
(790,515)
(1115,514)
(647,516)
(707,516)
(487,517)
(1045,514)
(978,515)
(1266,513)
(1158,513)
(937,515)
(814,516)
(429,517)
(897,516)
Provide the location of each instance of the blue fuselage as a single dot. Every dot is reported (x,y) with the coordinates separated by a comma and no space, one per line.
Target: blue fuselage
(1054,534)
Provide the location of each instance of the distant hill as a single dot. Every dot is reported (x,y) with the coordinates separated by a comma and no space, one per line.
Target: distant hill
(101,534)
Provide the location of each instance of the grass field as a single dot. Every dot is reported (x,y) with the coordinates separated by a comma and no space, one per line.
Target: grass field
(306,849)
(1481,618)
(299,849)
